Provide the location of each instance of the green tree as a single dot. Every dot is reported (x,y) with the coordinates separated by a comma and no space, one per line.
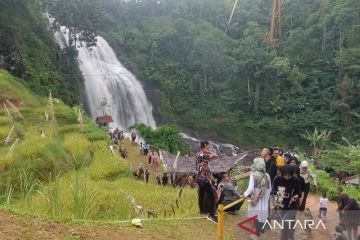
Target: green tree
(81,17)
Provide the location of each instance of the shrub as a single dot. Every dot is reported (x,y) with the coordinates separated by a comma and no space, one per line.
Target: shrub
(78,147)
(84,196)
(330,186)
(165,137)
(93,133)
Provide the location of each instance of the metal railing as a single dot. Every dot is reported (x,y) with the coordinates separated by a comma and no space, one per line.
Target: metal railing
(221,209)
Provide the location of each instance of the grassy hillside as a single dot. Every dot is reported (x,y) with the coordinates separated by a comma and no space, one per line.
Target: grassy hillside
(68,174)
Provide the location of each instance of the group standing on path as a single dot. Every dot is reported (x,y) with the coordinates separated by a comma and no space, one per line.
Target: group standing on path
(278,178)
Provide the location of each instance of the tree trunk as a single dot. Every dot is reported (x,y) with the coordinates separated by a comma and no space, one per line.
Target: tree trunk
(249,92)
(205,80)
(231,15)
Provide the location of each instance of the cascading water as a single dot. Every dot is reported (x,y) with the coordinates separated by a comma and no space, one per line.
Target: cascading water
(106,78)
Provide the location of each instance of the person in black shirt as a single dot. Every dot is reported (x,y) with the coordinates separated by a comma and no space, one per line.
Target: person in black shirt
(206,196)
(287,189)
(270,162)
(294,162)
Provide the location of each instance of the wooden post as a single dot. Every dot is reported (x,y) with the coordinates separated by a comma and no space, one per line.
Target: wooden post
(220,222)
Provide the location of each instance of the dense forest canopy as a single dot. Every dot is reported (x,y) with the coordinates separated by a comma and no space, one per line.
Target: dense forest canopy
(235,83)
(28,50)
(222,78)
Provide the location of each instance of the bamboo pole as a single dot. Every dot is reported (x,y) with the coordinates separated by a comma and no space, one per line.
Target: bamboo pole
(233,203)
(221,209)
(231,15)
(220,224)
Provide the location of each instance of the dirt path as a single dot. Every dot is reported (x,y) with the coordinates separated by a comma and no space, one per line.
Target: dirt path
(301,234)
(135,158)
(15,227)
(23,227)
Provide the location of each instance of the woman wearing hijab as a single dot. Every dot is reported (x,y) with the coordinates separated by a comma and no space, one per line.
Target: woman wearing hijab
(259,190)
(351,218)
(307,174)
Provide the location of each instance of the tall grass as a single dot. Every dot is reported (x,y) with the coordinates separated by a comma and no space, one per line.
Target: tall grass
(79,147)
(52,195)
(6,198)
(84,199)
(28,185)
(105,165)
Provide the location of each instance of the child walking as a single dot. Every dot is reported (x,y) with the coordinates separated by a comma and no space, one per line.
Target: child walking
(323,207)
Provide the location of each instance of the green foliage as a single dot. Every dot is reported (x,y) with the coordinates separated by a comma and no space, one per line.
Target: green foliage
(84,198)
(329,186)
(28,185)
(71,175)
(105,164)
(93,133)
(28,50)
(164,137)
(233,84)
(80,17)
(52,194)
(78,146)
(342,157)
(317,140)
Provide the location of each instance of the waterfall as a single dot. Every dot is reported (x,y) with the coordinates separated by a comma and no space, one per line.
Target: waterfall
(105,77)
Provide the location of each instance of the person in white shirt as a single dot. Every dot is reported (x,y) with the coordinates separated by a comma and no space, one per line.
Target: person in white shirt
(258,191)
(323,207)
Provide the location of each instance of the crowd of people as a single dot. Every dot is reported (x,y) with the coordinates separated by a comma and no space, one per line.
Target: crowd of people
(278,182)
(214,188)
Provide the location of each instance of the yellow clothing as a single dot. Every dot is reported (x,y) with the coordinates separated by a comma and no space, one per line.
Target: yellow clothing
(280,161)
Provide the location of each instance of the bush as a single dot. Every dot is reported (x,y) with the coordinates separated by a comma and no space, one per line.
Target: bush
(78,146)
(165,137)
(330,186)
(93,133)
